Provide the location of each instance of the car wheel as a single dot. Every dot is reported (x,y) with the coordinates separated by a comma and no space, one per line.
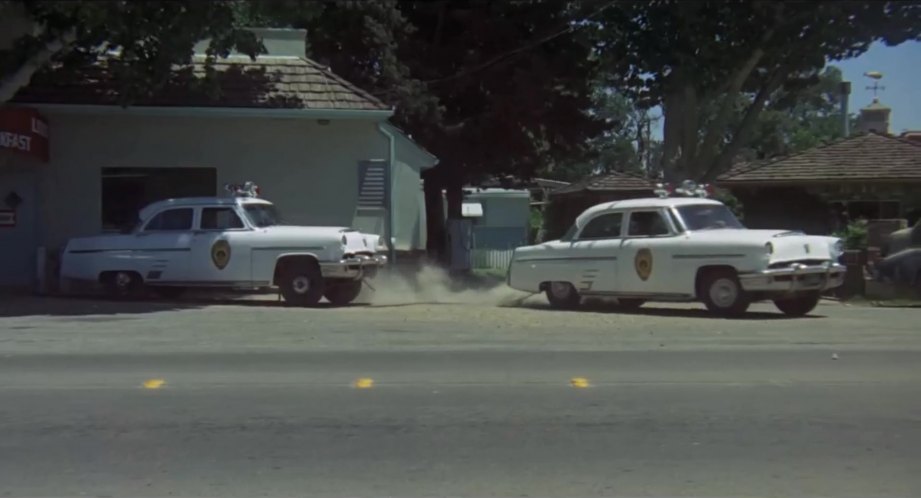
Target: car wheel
(122,284)
(630,304)
(342,293)
(168,292)
(562,295)
(302,285)
(798,306)
(722,293)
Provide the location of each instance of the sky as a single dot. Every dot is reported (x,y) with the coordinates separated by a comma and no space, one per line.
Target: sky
(901,68)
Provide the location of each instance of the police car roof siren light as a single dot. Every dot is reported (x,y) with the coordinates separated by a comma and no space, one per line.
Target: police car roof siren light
(664,189)
(688,189)
(248,189)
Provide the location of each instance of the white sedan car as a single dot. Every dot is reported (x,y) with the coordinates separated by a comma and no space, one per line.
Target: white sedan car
(232,242)
(679,249)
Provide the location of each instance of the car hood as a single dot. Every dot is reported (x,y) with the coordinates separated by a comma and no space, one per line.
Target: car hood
(323,236)
(786,245)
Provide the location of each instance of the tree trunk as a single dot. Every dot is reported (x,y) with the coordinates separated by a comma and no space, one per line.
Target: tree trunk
(723,161)
(671,136)
(717,128)
(442,183)
(690,124)
(13,82)
(434,214)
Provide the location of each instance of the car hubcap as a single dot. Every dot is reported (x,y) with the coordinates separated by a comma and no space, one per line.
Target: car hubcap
(559,289)
(300,284)
(122,280)
(724,292)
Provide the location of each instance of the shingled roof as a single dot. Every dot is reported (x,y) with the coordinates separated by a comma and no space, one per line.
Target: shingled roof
(614,181)
(865,157)
(267,82)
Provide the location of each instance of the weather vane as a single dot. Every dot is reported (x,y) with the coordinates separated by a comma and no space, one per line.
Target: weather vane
(876,76)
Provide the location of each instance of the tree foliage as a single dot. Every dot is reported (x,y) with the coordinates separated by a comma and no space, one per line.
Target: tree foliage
(795,120)
(143,40)
(696,56)
(625,145)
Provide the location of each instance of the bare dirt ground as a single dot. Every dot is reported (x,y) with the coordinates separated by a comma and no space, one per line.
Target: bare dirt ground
(426,313)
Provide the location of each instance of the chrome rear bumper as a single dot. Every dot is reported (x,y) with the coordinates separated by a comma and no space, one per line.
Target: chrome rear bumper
(355,268)
(795,278)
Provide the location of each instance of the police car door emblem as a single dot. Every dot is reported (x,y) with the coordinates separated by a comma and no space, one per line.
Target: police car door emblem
(220,254)
(643,263)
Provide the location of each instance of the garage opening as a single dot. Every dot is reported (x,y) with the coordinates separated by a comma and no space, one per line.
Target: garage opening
(126,190)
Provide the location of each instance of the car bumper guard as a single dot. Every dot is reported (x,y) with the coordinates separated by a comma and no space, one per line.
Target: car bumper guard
(795,278)
(356,267)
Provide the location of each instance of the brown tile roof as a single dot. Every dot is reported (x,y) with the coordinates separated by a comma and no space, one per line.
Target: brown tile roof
(267,82)
(869,156)
(608,182)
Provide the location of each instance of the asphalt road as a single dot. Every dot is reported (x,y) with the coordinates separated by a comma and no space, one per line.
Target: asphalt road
(671,403)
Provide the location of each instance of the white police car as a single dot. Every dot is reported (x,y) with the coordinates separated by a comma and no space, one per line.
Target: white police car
(680,246)
(232,242)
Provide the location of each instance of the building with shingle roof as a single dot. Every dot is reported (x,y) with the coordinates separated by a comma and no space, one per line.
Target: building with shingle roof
(867,157)
(870,175)
(74,161)
(569,201)
(269,81)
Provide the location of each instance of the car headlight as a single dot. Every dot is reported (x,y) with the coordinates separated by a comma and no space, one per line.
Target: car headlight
(836,249)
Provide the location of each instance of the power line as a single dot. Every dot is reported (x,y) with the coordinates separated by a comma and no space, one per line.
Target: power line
(569,27)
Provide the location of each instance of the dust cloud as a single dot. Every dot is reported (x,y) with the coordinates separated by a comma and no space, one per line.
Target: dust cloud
(431,285)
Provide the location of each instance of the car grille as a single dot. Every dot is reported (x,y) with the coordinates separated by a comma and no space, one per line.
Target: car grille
(787,264)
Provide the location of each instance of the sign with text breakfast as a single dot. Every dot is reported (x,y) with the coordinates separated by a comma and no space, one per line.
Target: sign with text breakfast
(25,131)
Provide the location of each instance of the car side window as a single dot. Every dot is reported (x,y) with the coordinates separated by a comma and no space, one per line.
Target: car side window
(171,220)
(220,219)
(647,224)
(605,226)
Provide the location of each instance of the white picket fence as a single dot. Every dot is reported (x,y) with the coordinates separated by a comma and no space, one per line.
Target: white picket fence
(485,259)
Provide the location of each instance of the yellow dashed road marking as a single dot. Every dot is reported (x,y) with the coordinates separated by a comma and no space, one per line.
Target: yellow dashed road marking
(363,383)
(154,383)
(579,382)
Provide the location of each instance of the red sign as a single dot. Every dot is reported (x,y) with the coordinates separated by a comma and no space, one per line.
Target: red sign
(24,130)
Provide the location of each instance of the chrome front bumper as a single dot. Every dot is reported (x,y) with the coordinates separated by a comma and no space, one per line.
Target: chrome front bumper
(795,278)
(355,268)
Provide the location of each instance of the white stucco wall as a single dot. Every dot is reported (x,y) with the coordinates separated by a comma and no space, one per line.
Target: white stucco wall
(309,171)
(409,205)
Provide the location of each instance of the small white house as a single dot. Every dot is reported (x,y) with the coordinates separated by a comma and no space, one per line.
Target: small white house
(320,148)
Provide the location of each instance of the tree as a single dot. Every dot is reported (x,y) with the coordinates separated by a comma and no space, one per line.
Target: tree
(701,59)
(143,40)
(798,119)
(626,145)
(491,88)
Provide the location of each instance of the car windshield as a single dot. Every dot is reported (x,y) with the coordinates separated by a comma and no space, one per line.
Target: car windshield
(262,215)
(708,216)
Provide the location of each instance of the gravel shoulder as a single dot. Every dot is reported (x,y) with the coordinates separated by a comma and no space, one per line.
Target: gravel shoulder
(50,326)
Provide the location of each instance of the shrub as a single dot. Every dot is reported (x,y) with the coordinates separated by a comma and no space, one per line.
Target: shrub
(854,235)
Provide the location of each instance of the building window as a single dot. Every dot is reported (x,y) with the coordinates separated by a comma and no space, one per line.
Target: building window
(220,219)
(870,210)
(126,190)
